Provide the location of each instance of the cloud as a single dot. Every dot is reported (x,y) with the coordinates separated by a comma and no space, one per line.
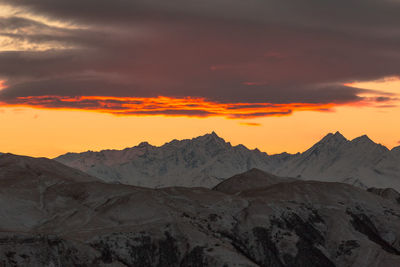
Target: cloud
(2,85)
(170,106)
(250,124)
(191,107)
(225,52)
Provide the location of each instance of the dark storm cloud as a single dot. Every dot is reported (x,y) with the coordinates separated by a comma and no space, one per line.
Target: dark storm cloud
(350,14)
(225,51)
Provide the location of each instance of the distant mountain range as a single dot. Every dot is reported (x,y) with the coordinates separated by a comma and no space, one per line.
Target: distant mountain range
(53,215)
(207,160)
(360,162)
(203,161)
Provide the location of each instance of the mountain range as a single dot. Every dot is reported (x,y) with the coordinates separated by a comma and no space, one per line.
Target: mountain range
(207,160)
(54,215)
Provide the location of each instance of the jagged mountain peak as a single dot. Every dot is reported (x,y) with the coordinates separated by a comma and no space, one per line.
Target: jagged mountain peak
(362,139)
(365,142)
(330,142)
(210,137)
(333,138)
(200,139)
(144,144)
(210,141)
(337,139)
(338,134)
(214,134)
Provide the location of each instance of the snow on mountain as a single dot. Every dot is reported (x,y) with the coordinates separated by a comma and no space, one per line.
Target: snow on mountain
(76,220)
(360,162)
(207,160)
(202,161)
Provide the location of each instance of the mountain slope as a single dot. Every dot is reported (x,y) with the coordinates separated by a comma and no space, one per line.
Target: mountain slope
(388,193)
(23,184)
(77,221)
(207,160)
(360,162)
(38,169)
(251,179)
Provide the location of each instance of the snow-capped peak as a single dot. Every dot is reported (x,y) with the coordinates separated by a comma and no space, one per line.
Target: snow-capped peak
(331,138)
(211,138)
(364,143)
(328,144)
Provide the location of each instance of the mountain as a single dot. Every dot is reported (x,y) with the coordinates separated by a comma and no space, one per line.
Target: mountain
(23,183)
(202,161)
(360,162)
(207,160)
(251,179)
(38,170)
(388,193)
(55,216)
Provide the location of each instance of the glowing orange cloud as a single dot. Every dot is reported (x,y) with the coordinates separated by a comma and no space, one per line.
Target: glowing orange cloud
(250,123)
(188,106)
(167,106)
(2,85)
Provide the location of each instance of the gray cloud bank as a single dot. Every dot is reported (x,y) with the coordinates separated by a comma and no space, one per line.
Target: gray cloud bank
(226,51)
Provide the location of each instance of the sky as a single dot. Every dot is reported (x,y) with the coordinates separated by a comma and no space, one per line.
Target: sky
(80,75)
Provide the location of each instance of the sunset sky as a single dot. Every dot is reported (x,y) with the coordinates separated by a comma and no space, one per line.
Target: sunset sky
(79,75)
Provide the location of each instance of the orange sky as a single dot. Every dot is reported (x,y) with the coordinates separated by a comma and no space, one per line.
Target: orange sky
(215,72)
(50,132)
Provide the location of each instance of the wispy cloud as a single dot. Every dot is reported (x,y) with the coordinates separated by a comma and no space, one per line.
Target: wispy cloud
(250,124)
(2,85)
(169,106)
(193,107)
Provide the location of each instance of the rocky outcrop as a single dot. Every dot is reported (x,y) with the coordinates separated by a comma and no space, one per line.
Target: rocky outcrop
(387,193)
